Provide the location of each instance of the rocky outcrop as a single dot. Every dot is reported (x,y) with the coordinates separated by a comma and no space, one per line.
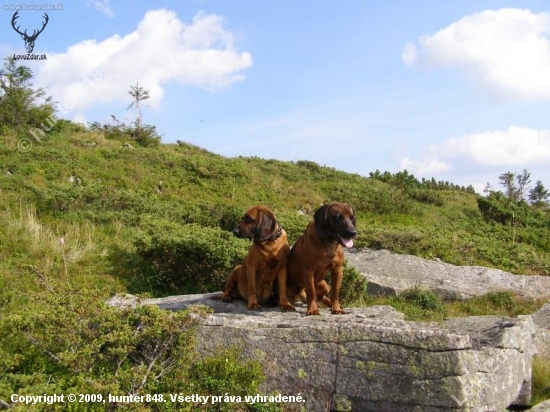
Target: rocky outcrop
(388,273)
(371,359)
(541,320)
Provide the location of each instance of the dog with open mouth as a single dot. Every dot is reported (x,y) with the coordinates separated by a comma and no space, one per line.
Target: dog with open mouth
(320,251)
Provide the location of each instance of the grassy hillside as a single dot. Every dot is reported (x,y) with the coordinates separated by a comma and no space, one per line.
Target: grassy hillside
(79,176)
(102,197)
(82,215)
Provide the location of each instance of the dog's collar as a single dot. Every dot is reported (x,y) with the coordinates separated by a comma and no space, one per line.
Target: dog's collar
(331,239)
(274,236)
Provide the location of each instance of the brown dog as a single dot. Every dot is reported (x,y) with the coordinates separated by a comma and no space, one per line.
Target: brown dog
(319,251)
(254,278)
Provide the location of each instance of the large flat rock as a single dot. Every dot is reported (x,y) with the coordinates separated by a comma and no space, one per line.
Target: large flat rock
(389,274)
(371,359)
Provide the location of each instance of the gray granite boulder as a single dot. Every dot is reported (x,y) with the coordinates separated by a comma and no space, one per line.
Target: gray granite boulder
(371,359)
(389,274)
(541,320)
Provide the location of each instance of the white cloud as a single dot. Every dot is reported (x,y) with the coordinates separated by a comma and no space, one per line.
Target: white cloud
(410,54)
(160,50)
(101,6)
(507,51)
(427,166)
(516,146)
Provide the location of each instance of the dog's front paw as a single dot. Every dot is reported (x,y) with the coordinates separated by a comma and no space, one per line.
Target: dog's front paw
(226,298)
(287,307)
(254,306)
(314,312)
(338,311)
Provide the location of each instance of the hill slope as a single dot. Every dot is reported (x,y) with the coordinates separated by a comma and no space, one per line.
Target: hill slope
(79,181)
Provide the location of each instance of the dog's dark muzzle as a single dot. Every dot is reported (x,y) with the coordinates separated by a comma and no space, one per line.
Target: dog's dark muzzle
(239,233)
(345,237)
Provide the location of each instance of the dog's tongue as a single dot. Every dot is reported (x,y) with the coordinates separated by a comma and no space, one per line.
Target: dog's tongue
(347,242)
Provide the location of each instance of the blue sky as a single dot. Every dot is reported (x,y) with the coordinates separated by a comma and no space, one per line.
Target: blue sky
(459,91)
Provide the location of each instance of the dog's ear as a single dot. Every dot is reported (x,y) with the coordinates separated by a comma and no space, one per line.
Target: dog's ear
(320,219)
(266,224)
(353,213)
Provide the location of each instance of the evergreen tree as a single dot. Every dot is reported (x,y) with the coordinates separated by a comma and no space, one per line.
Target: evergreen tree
(538,195)
(139,94)
(143,134)
(523,180)
(21,106)
(508,180)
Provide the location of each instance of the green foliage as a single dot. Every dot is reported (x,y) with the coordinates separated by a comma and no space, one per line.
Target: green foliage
(188,258)
(63,338)
(429,197)
(227,372)
(538,195)
(499,208)
(540,380)
(353,291)
(144,136)
(390,200)
(417,304)
(501,303)
(21,106)
(211,215)
(423,299)
(186,184)
(423,305)
(69,340)
(399,241)
(293,224)
(408,182)
(501,300)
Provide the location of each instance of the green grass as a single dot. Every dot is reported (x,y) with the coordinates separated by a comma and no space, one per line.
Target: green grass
(129,218)
(541,380)
(425,306)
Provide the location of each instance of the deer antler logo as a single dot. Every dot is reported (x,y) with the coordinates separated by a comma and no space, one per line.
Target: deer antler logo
(29,40)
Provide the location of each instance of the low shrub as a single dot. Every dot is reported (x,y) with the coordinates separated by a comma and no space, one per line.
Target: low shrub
(501,300)
(422,299)
(399,241)
(69,341)
(188,258)
(211,214)
(294,225)
(144,136)
(227,372)
(353,291)
(417,304)
(498,208)
(429,197)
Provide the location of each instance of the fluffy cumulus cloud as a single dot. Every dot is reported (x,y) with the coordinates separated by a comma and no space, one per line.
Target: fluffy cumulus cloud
(506,51)
(162,49)
(514,147)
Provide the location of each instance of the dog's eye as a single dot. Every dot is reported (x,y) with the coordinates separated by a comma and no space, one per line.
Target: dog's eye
(338,216)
